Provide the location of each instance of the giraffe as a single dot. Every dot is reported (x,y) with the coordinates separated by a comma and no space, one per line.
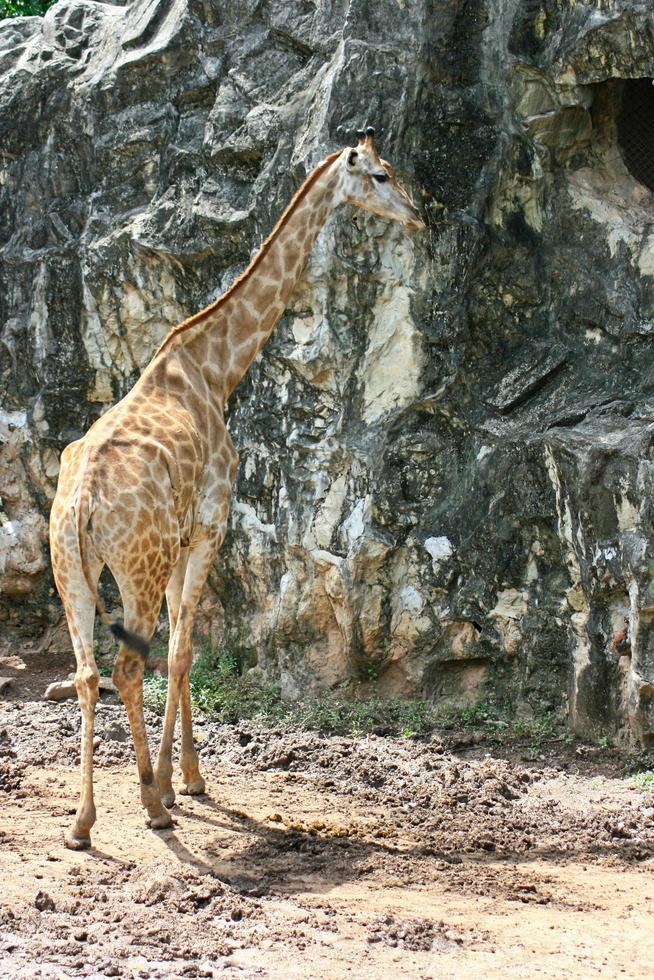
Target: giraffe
(147,490)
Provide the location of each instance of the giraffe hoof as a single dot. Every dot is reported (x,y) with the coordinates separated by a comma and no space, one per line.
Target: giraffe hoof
(76,842)
(161,821)
(168,798)
(196,788)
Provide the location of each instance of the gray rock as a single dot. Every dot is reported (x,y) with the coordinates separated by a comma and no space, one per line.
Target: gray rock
(487,388)
(5,682)
(60,691)
(107,685)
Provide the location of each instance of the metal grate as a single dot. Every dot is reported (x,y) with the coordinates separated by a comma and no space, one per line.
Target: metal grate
(636,129)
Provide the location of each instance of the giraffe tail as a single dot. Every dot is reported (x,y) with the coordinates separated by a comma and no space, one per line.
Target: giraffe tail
(132,640)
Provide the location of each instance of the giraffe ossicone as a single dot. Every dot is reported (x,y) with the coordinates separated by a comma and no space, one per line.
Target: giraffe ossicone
(146,491)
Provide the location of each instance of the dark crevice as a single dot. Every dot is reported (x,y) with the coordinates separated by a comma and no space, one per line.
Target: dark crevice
(636,129)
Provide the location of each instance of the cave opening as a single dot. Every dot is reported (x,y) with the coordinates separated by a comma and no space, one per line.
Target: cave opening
(636,129)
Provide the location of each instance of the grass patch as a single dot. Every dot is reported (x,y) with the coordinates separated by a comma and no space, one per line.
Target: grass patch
(499,720)
(155,689)
(221,692)
(644,779)
(391,716)
(640,770)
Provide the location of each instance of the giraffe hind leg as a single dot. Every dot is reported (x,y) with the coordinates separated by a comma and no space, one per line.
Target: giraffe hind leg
(79,606)
(87,680)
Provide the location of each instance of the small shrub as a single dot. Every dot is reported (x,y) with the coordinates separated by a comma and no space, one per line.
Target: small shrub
(220,691)
(639,764)
(644,779)
(155,689)
(499,720)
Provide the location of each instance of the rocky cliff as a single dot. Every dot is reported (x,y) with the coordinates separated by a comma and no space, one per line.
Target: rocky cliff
(446,449)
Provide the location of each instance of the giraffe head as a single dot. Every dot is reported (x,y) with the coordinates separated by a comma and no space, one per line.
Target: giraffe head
(370,183)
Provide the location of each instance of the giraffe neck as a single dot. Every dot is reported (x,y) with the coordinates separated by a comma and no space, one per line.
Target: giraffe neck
(228,335)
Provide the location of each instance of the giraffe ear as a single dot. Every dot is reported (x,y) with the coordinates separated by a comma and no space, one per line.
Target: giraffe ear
(352,158)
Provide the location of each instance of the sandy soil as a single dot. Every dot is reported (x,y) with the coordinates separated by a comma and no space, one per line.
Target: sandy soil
(314,856)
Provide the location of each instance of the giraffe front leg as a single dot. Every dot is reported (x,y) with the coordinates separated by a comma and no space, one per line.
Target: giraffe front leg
(178,695)
(128,678)
(194,784)
(87,680)
(164,765)
(183,596)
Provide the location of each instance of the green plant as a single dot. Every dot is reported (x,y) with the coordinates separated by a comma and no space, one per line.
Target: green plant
(644,779)
(475,715)
(373,670)
(219,690)
(155,689)
(638,763)
(499,720)
(541,728)
(24,8)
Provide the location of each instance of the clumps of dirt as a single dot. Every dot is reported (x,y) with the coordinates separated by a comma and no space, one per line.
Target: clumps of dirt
(383,767)
(43,902)
(11,774)
(169,915)
(417,935)
(500,881)
(446,804)
(186,891)
(46,733)
(453,804)
(302,842)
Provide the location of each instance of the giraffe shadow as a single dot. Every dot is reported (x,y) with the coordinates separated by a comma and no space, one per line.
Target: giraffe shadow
(256,857)
(171,838)
(97,854)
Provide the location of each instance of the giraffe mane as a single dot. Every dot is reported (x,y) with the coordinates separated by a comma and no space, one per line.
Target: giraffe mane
(299,195)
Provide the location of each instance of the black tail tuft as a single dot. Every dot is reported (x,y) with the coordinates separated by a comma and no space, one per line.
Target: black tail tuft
(131,640)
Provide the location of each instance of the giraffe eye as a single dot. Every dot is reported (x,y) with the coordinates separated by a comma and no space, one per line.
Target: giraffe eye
(380,178)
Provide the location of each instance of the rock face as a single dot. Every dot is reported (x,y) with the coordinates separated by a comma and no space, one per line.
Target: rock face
(446,449)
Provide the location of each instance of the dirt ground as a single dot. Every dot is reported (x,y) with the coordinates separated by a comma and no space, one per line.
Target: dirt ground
(317,856)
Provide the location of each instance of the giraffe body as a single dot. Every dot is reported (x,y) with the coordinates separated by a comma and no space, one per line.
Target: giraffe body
(146,491)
